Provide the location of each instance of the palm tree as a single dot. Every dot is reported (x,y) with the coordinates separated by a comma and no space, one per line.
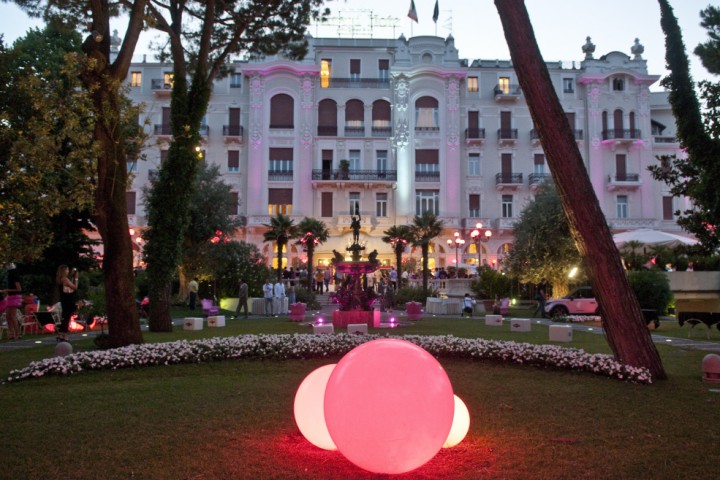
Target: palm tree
(281,230)
(425,227)
(312,233)
(398,236)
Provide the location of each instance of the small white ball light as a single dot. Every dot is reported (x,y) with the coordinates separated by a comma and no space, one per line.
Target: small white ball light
(460,425)
(309,408)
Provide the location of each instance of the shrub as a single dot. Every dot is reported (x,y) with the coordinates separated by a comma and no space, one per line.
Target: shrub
(307,297)
(652,289)
(412,294)
(490,284)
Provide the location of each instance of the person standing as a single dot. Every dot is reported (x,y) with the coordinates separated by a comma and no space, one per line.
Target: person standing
(326,279)
(279,294)
(292,296)
(394,279)
(242,299)
(268,295)
(12,301)
(193,289)
(319,278)
(541,297)
(67,283)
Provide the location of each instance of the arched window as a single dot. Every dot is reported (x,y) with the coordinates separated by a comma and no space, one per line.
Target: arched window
(618,124)
(354,113)
(282,111)
(426,114)
(381,117)
(327,118)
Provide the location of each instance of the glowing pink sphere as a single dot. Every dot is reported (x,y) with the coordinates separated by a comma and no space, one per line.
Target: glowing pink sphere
(460,425)
(389,406)
(308,408)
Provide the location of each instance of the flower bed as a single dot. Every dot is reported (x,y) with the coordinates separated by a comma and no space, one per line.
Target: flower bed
(304,346)
(577,318)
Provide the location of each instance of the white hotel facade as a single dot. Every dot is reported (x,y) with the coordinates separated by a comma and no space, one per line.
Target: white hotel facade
(422,129)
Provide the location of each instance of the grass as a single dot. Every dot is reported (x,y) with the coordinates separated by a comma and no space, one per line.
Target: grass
(234,419)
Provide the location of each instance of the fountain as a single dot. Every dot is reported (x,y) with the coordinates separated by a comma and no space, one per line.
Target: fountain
(354,297)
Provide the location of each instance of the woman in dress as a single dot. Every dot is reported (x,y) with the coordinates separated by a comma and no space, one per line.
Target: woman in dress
(67,282)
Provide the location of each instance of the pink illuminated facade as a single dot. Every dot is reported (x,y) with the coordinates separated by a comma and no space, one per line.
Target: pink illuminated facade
(400,126)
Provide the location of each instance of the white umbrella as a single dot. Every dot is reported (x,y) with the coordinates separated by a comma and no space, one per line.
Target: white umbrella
(652,237)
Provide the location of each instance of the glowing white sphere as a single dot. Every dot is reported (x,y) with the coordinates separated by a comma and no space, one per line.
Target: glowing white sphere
(460,425)
(63,349)
(308,408)
(389,406)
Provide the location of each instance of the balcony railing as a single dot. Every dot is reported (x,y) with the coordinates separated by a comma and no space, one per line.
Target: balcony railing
(327,131)
(507,133)
(287,126)
(537,178)
(664,139)
(358,83)
(511,90)
(535,135)
(427,129)
(232,130)
(621,134)
(508,179)
(160,84)
(162,129)
(474,133)
(379,175)
(354,131)
(427,176)
(280,176)
(204,130)
(382,131)
(625,177)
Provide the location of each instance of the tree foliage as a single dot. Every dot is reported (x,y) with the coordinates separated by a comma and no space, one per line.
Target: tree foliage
(281,230)
(312,232)
(398,236)
(698,175)
(543,246)
(424,229)
(227,263)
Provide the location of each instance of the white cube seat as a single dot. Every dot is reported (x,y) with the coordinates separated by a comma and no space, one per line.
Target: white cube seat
(324,328)
(493,320)
(520,325)
(216,321)
(357,328)
(560,333)
(193,323)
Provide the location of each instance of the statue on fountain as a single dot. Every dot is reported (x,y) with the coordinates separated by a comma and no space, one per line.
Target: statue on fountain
(355,226)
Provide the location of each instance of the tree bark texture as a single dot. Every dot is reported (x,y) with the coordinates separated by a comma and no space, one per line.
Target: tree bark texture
(624,325)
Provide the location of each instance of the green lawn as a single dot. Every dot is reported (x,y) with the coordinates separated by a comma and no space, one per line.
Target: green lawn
(234,419)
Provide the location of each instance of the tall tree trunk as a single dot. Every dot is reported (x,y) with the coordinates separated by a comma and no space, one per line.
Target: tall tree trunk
(310,254)
(623,321)
(279,260)
(398,260)
(425,254)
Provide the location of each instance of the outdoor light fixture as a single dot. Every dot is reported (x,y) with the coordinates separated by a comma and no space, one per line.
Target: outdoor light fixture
(460,425)
(478,236)
(308,408)
(457,242)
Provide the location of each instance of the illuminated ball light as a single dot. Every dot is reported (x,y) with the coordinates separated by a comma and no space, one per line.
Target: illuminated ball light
(308,408)
(460,425)
(389,406)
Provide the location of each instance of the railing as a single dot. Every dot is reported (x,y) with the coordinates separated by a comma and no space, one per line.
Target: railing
(508,178)
(280,176)
(204,130)
(382,131)
(625,177)
(427,129)
(160,84)
(511,90)
(327,131)
(537,178)
(579,135)
(507,133)
(354,131)
(162,129)
(474,133)
(380,175)
(535,135)
(359,83)
(427,176)
(662,139)
(621,134)
(232,130)
(153,175)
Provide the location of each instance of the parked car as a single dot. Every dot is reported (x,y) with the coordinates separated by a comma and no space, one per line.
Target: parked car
(580,302)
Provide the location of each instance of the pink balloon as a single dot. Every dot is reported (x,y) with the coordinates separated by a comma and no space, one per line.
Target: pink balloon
(389,406)
(308,408)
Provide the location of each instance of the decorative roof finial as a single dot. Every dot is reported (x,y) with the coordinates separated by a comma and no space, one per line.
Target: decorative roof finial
(637,49)
(588,49)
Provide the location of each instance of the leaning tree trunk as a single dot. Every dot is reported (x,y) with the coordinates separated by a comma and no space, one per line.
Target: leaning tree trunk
(623,321)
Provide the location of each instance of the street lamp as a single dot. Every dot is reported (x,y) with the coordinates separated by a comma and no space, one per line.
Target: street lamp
(457,242)
(478,236)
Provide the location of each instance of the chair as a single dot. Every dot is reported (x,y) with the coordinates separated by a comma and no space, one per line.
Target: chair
(29,322)
(413,310)
(504,306)
(297,312)
(209,308)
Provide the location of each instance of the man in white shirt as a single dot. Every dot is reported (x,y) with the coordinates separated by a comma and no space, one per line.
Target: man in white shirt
(279,293)
(268,295)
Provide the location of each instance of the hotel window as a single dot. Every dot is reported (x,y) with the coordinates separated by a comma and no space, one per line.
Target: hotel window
(235,80)
(618,84)
(507,206)
(426,114)
(325,72)
(472,84)
(233,160)
(130,200)
(427,201)
(136,79)
(474,165)
(354,204)
(539,163)
(384,70)
(667,206)
(381,201)
(132,166)
(504,85)
(280,201)
(382,160)
(474,205)
(326,204)
(281,160)
(355,69)
(355,117)
(168,80)
(234,203)
(622,206)
(427,165)
(282,107)
(381,115)
(354,157)
(568,85)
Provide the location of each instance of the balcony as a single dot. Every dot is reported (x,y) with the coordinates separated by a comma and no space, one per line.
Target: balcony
(384,132)
(427,177)
(160,87)
(619,135)
(508,181)
(537,179)
(507,136)
(233,133)
(355,175)
(626,181)
(327,131)
(153,175)
(510,93)
(359,83)
(474,136)
(355,131)
(204,130)
(535,136)
(280,175)
(162,130)
(665,140)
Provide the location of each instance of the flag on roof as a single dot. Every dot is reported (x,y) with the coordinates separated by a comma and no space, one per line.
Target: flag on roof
(436,12)
(412,13)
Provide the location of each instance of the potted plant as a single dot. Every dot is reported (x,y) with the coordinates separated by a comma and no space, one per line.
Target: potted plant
(344,168)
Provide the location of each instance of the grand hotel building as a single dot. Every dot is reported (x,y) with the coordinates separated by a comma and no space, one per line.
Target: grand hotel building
(420,129)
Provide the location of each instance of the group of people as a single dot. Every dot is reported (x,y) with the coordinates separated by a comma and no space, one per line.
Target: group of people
(275,296)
